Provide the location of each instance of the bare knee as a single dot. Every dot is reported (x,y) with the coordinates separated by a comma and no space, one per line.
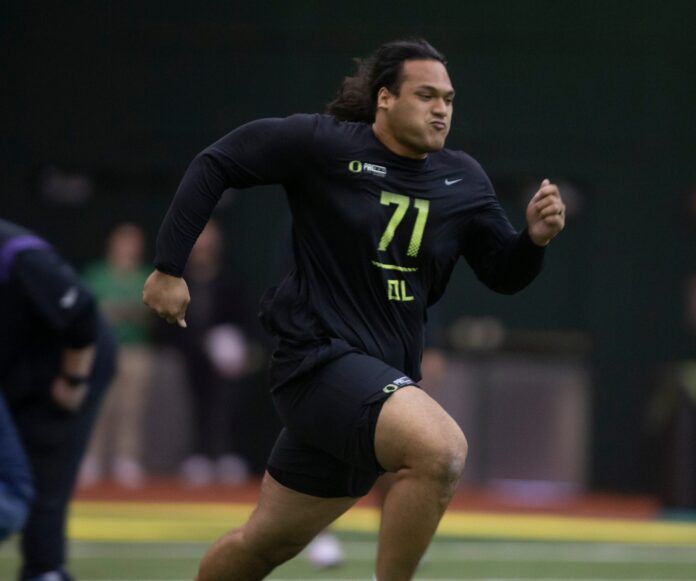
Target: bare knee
(443,461)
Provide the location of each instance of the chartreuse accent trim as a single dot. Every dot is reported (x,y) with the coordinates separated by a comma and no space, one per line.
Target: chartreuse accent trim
(395,267)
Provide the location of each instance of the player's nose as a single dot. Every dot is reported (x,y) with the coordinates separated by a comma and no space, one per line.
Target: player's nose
(439,108)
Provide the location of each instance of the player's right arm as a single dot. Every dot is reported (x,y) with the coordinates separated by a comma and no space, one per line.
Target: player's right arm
(168,296)
(261,152)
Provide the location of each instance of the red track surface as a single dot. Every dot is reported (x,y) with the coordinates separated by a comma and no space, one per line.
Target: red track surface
(601,505)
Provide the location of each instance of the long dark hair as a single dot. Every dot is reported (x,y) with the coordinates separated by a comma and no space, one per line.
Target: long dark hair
(356,98)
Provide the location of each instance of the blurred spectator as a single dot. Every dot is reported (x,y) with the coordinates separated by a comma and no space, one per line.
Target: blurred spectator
(16,482)
(117,283)
(56,360)
(219,359)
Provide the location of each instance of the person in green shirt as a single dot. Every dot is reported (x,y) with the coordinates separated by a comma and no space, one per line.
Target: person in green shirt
(117,281)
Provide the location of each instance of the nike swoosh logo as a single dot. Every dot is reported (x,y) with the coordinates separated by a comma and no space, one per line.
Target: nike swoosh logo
(452,182)
(68,300)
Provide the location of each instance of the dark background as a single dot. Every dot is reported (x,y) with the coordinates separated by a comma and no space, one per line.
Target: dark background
(117,97)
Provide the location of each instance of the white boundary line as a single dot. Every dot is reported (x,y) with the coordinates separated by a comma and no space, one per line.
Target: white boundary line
(448,551)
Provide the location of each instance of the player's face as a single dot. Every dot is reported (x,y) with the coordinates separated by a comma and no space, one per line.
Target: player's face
(419,117)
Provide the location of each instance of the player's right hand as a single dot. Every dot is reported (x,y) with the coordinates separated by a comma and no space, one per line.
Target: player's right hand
(168,296)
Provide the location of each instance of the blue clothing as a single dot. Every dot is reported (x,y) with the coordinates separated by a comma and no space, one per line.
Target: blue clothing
(44,309)
(16,483)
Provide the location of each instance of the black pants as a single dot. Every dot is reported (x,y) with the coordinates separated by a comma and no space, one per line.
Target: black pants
(222,422)
(55,442)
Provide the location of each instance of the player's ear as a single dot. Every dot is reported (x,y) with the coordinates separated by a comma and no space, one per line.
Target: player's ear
(384,98)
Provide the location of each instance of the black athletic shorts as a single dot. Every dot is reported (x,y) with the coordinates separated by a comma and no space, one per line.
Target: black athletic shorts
(330,413)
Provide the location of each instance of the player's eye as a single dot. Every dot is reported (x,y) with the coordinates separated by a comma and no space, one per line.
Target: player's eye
(424,96)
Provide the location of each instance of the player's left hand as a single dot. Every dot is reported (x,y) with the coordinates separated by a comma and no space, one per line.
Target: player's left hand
(69,397)
(545,214)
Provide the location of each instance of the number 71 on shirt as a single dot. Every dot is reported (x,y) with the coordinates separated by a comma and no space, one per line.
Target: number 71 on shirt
(396,288)
(402,204)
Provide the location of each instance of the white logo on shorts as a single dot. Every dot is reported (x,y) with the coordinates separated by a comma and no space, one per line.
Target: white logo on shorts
(396,384)
(402,381)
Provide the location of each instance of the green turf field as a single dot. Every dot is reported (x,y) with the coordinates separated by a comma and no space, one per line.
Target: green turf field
(447,559)
(155,542)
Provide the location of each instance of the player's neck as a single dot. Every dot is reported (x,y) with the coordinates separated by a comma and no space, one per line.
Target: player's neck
(387,139)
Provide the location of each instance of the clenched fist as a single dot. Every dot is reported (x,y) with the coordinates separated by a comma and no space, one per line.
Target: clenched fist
(168,296)
(545,214)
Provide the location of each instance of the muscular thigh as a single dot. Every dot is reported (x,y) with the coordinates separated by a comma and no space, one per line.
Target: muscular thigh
(412,425)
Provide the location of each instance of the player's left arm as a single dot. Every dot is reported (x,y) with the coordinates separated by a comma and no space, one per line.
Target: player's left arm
(504,259)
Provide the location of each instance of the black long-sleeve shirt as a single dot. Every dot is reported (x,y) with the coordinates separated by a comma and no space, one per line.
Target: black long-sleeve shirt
(375,235)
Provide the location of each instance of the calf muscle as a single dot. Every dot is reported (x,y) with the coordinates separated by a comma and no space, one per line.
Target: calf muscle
(282,524)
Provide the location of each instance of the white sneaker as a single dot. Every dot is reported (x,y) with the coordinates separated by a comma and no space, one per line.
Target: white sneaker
(325,551)
(128,472)
(197,471)
(90,473)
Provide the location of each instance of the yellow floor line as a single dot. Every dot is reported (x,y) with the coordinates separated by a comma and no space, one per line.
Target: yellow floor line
(121,521)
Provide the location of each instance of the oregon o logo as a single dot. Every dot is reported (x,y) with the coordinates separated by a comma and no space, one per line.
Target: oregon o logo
(355,166)
(391,388)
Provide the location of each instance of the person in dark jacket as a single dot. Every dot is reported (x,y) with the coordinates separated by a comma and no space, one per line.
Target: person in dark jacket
(56,360)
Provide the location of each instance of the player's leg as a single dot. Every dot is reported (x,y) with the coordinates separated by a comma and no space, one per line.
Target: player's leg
(416,439)
(282,524)
(311,480)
